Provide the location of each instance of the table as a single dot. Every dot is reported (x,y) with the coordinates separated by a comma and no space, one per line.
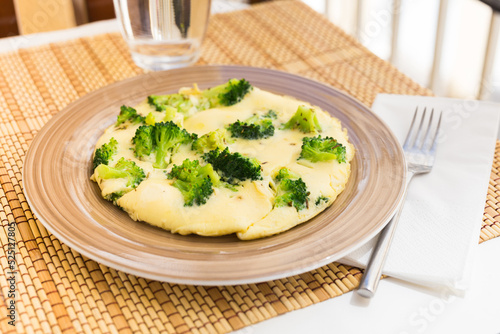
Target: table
(59,290)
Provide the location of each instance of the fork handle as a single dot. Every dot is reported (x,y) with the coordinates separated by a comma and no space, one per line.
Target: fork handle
(371,277)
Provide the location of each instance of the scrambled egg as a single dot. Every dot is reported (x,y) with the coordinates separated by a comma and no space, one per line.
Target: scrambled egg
(249,212)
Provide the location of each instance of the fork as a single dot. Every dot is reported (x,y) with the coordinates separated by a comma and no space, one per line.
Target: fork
(420,153)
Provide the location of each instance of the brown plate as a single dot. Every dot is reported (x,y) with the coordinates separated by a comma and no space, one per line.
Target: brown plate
(57,169)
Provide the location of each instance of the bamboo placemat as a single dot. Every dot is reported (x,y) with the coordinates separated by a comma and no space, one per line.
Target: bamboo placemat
(59,290)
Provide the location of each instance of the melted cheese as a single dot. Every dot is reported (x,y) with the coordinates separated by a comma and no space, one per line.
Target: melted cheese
(249,211)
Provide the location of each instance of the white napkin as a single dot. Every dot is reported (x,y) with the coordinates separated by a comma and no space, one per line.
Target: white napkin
(438,233)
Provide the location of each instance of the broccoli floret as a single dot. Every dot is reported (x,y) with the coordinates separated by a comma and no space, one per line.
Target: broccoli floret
(124,169)
(128,114)
(245,130)
(143,141)
(285,173)
(195,182)
(322,149)
(169,114)
(104,153)
(162,138)
(270,114)
(182,103)
(114,196)
(233,167)
(304,119)
(227,94)
(150,119)
(210,141)
(256,127)
(320,199)
(291,190)
(167,137)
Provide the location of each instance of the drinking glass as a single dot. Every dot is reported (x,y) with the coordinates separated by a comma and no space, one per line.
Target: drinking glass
(163,34)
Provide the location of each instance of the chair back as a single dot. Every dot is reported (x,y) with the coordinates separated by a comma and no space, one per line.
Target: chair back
(21,17)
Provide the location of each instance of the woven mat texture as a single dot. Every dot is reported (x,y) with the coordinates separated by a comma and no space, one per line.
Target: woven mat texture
(60,291)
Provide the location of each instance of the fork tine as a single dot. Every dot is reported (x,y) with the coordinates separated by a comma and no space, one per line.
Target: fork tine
(418,137)
(436,134)
(410,131)
(425,141)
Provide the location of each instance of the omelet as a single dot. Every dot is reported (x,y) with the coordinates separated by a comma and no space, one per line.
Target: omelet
(249,208)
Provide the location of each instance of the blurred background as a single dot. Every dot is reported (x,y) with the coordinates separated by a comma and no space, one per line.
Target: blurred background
(440,44)
(448,46)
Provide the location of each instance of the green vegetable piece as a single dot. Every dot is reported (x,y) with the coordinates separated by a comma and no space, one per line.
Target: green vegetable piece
(233,167)
(104,153)
(143,141)
(291,190)
(227,94)
(124,169)
(210,141)
(128,114)
(304,119)
(167,137)
(285,173)
(256,127)
(321,199)
(163,138)
(114,196)
(150,119)
(182,103)
(195,182)
(170,114)
(322,149)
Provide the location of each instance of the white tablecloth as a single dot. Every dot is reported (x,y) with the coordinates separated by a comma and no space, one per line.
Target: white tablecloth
(402,308)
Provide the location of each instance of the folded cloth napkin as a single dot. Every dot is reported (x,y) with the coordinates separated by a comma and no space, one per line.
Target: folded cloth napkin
(438,233)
